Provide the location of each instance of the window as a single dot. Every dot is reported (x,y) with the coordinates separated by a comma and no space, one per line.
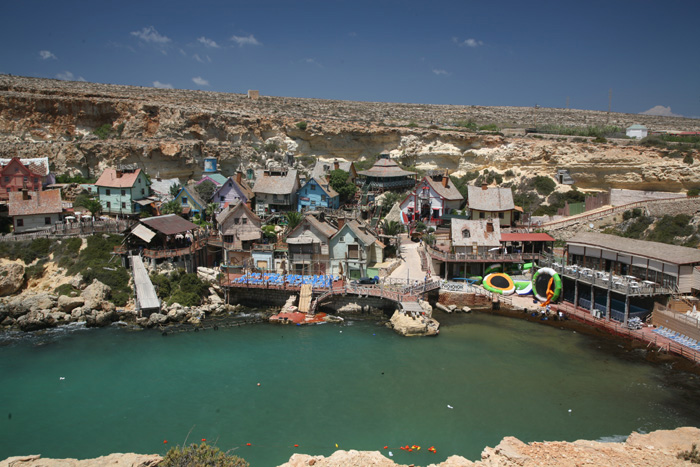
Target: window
(108,192)
(482,215)
(16,170)
(221,198)
(235,221)
(306,227)
(109,205)
(143,191)
(47,220)
(323,198)
(123,192)
(123,205)
(20,222)
(36,180)
(184,200)
(500,215)
(466,234)
(25,179)
(244,220)
(313,187)
(354,251)
(7,179)
(341,239)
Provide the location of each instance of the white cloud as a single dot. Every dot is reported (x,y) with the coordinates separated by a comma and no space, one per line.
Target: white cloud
(660,111)
(312,61)
(440,72)
(208,42)
(473,43)
(68,76)
(46,54)
(205,59)
(198,80)
(159,85)
(150,35)
(245,40)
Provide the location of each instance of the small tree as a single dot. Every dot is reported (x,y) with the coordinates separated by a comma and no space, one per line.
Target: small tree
(391,227)
(269,233)
(211,210)
(175,189)
(340,181)
(206,190)
(171,207)
(293,219)
(93,205)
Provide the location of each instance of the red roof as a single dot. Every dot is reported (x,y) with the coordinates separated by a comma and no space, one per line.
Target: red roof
(38,202)
(526,237)
(110,179)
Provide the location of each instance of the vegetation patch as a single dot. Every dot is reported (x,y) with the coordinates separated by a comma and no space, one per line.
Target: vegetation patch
(201,455)
(187,289)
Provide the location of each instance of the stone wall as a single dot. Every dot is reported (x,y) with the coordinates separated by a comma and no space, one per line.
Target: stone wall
(463,299)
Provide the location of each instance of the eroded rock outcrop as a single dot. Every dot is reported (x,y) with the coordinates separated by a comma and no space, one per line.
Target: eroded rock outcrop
(411,326)
(11,277)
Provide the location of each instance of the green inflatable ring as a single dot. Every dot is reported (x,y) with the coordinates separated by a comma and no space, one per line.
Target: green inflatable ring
(499,283)
(540,283)
(493,268)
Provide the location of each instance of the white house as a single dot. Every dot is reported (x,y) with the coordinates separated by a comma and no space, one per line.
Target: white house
(637,131)
(432,198)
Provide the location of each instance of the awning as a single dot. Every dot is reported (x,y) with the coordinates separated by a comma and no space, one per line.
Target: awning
(144,233)
(144,202)
(247,236)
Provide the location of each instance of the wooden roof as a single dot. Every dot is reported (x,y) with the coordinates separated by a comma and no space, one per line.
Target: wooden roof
(673,254)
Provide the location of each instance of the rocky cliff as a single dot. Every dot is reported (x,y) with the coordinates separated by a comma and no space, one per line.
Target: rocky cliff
(170,132)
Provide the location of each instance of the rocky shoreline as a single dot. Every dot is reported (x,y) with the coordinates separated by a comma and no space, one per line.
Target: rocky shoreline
(657,448)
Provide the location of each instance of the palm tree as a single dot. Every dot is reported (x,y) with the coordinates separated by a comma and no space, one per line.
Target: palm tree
(93,205)
(175,189)
(391,228)
(171,207)
(293,219)
(211,210)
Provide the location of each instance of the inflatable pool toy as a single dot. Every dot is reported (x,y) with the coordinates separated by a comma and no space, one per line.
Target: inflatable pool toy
(499,283)
(527,266)
(546,285)
(523,287)
(492,269)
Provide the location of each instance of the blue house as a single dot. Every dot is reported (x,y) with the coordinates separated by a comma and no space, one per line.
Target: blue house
(317,193)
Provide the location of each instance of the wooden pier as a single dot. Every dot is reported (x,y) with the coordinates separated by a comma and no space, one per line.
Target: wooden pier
(146,297)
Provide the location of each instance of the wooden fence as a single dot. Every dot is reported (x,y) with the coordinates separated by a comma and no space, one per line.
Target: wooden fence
(74,229)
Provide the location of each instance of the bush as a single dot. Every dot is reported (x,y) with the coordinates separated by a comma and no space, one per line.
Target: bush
(688,159)
(180,287)
(65,289)
(693,455)
(670,227)
(201,455)
(271,147)
(600,139)
(693,192)
(509,173)
(302,125)
(638,227)
(544,185)
(104,131)
(489,127)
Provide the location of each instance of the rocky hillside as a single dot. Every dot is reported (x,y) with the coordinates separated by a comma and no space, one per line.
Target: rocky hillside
(170,132)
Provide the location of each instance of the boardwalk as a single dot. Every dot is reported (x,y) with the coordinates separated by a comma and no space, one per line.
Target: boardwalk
(146,298)
(646,334)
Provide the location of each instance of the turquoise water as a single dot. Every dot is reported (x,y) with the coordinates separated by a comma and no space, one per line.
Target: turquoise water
(358,385)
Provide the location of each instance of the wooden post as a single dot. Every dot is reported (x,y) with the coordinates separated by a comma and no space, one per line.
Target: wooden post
(627,308)
(608,305)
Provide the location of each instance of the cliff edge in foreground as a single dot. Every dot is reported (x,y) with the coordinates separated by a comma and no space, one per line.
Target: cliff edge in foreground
(650,450)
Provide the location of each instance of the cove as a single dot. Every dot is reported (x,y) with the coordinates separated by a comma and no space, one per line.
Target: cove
(357,385)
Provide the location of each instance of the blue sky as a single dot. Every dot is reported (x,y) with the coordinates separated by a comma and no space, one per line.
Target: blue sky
(435,52)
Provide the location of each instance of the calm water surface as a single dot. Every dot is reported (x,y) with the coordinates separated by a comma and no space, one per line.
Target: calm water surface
(358,385)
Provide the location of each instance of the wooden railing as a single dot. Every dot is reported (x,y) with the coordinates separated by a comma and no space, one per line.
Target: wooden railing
(488,257)
(73,229)
(166,252)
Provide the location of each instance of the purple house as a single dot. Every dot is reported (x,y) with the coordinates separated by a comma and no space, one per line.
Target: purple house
(234,190)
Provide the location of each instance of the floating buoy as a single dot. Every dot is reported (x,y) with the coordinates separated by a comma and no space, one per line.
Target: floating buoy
(248,444)
(258,384)
(386,447)
(204,440)
(62,378)
(499,283)
(449,406)
(391,454)
(296,445)
(165,441)
(336,444)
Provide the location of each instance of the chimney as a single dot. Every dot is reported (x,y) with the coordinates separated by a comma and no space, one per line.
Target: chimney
(336,165)
(341,222)
(484,186)
(247,203)
(239,177)
(444,180)
(489,227)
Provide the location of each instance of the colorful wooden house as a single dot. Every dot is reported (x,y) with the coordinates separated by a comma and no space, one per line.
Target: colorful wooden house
(16,176)
(308,246)
(276,190)
(354,250)
(317,193)
(190,201)
(234,190)
(35,210)
(487,202)
(123,191)
(432,198)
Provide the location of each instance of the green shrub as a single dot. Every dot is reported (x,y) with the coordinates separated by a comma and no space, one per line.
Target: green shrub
(693,455)
(196,455)
(693,192)
(104,131)
(509,173)
(489,127)
(412,124)
(544,185)
(420,227)
(271,147)
(65,289)
(302,125)
(668,228)
(36,271)
(688,159)
(638,227)
(600,139)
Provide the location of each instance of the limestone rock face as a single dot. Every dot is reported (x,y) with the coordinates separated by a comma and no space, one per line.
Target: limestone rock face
(121,460)
(68,304)
(406,325)
(11,278)
(95,293)
(156,319)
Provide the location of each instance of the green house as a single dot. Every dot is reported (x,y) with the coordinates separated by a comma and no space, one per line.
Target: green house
(123,191)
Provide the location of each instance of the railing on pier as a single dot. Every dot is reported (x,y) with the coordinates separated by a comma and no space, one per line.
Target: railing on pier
(488,257)
(71,229)
(166,252)
(620,284)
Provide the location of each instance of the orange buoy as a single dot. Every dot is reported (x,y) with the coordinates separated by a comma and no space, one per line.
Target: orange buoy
(165,441)
(296,445)
(204,440)
(386,447)
(248,444)
(258,384)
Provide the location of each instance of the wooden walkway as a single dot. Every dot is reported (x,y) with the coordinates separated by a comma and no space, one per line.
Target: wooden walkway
(146,297)
(646,334)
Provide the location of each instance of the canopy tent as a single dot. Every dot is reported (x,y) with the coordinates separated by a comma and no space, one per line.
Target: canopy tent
(144,233)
